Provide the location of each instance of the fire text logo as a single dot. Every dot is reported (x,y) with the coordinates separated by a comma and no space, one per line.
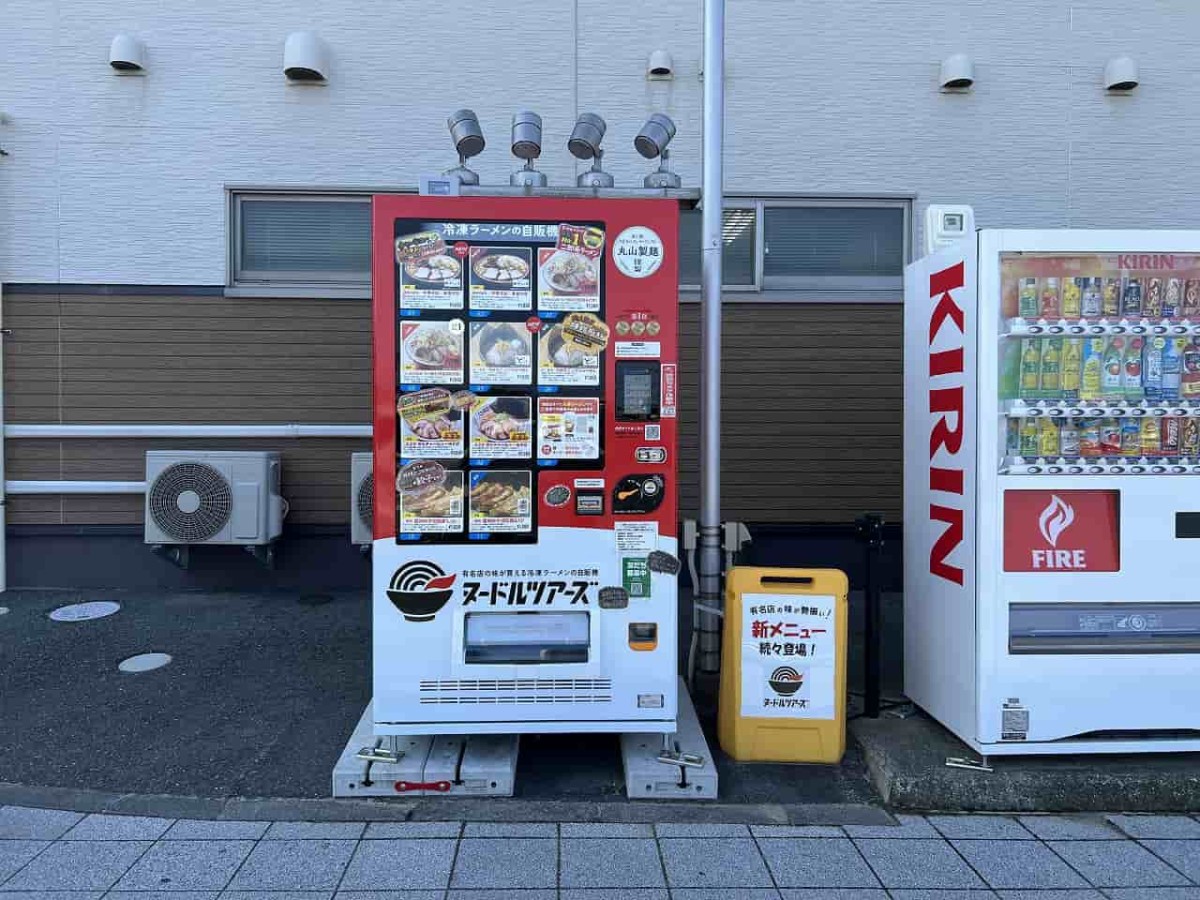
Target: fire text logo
(946,403)
(527,593)
(1054,520)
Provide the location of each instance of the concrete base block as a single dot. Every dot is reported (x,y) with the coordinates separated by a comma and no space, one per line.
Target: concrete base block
(647,778)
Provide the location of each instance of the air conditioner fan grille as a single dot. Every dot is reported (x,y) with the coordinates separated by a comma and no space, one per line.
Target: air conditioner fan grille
(190,502)
(365,501)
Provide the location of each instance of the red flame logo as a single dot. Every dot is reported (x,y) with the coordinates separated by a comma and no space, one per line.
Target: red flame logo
(1055,519)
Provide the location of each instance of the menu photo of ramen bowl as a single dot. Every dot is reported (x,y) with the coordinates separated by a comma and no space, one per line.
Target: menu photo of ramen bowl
(431,352)
(501,428)
(501,278)
(501,353)
(567,281)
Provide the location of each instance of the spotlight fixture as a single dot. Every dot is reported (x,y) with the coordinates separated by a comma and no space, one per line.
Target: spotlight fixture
(527,145)
(468,141)
(958,72)
(305,58)
(1120,74)
(584,144)
(652,142)
(127,54)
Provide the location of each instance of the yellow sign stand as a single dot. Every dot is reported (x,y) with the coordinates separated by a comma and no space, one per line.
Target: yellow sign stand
(783,672)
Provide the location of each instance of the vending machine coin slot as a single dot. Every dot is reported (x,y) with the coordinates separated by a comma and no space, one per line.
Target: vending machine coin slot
(639,391)
(589,502)
(643,635)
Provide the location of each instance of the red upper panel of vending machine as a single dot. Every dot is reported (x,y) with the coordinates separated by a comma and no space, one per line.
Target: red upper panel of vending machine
(525,366)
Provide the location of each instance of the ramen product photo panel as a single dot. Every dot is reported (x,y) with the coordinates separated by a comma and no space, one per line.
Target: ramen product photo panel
(501,278)
(569,428)
(430,426)
(428,275)
(568,281)
(563,363)
(501,428)
(501,501)
(501,353)
(438,509)
(431,352)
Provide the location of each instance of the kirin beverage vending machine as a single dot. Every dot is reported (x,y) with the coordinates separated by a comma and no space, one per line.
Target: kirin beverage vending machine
(525,529)
(1052,490)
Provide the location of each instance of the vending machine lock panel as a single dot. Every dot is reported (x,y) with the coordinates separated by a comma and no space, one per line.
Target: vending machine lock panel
(639,391)
(639,494)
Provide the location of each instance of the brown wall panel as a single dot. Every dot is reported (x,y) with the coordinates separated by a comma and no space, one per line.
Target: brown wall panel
(812,398)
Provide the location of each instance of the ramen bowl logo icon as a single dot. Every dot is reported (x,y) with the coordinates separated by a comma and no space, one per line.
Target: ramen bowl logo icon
(1055,519)
(785,681)
(419,589)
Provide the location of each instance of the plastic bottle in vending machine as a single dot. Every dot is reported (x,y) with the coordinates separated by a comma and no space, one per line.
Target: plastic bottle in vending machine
(1189,437)
(1191,299)
(1049,438)
(1072,367)
(1069,438)
(1051,369)
(1189,379)
(1131,437)
(1110,302)
(1090,303)
(1131,372)
(1072,297)
(1151,437)
(1029,303)
(1091,382)
(1110,378)
(1172,299)
(1110,437)
(1172,369)
(1131,299)
(1029,438)
(1031,365)
(1152,368)
(1089,437)
(1152,303)
(1169,435)
(1051,303)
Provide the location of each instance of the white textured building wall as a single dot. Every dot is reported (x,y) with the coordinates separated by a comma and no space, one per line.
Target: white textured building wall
(121,179)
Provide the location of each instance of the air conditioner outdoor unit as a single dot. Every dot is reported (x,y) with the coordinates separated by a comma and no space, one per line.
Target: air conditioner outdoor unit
(213,497)
(362,498)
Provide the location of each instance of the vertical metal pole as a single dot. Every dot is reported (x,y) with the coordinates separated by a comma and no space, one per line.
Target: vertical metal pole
(3,493)
(709,557)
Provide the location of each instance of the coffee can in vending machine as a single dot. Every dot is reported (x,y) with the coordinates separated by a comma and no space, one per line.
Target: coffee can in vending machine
(1173,298)
(1152,304)
(1131,298)
(1169,436)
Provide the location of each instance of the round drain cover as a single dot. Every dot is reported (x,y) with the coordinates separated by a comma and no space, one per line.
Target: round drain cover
(144,662)
(82,612)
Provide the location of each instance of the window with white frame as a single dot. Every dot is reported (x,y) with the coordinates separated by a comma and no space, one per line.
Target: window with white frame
(806,249)
(303,242)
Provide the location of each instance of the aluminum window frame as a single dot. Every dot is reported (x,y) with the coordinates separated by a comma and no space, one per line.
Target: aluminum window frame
(815,289)
(281,283)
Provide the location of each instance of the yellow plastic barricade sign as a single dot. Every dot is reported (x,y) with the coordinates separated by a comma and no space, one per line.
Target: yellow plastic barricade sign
(783,671)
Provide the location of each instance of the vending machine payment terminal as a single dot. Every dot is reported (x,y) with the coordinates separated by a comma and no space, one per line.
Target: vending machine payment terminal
(525,437)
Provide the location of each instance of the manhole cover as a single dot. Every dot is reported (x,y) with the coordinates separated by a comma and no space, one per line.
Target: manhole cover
(82,612)
(144,662)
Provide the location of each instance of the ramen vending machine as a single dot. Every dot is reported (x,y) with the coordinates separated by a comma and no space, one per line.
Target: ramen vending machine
(525,396)
(1052,490)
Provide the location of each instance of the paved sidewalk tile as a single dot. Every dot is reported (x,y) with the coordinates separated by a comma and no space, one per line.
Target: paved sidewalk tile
(413,830)
(918,864)
(53,895)
(605,830)
(275,895)
(78,866)
(816,862)
(511,830)
(907,828)
(797,831)
(608,894)
(714,863)
(203,830)
(23,823)
(506,863)
(160,895)
(938,894)
(1019,864)
(723,894)
(833,894)
(980,827)
(611,863)
(1081,827)
(186,866)
(697,830)
(1183,855)
(1163,893)
(390,895)
(1170,827)
(400,865)
(14,854)
(1117,864)
(301,865)
(293,831)
(1088,894)
(99,827)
